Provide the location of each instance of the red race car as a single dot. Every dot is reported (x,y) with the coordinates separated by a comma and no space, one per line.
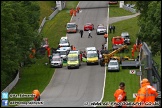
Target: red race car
(88,26)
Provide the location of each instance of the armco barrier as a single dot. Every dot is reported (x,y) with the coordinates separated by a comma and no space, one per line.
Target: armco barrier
(12,84)
(42,24)
(129,9)
(53,14)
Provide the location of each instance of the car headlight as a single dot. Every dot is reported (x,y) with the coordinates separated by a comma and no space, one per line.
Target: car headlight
(115,67)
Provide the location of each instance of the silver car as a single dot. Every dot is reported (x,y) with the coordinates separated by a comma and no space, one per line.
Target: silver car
(126,37)
(101,29)
(56,61)
(113,65)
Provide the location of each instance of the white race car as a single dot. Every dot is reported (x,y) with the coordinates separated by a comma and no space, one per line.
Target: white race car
(101,29)
(64,42)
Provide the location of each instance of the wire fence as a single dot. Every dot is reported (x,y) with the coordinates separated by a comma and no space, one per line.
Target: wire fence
(129,9)
(149,69)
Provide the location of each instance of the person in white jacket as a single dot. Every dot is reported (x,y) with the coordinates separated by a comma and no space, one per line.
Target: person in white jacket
(89,34)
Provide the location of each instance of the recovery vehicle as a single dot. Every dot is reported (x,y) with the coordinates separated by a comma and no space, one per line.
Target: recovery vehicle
(106,57)
(128,62)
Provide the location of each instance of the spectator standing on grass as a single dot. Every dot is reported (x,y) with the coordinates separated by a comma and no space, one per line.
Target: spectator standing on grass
(113,28)
(135,47)
(110,28)
(37,95)
(120,94)
(132,53)
(146,93)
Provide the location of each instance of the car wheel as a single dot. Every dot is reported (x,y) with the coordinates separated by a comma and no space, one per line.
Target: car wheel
(87,64)
(61,66)
(68,67)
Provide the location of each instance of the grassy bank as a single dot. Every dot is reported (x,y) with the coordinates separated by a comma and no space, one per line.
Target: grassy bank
(114,78)
(115,11)
(54,29)
(46,8)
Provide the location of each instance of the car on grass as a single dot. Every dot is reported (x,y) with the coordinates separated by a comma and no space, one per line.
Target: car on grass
(71,28)
(113,65)
(88,26)
(126,37)
(101,29)
(56,61)
(64,42)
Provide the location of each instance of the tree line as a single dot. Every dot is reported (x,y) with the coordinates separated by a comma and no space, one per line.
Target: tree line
(19,34)
(150,24)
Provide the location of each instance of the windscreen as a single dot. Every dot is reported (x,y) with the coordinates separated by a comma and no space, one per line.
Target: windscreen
(126,37)
(91,55)
(63,41)
(56,59)
(72,58)
(100,27)
(71,25)
(63,53)
(113,63)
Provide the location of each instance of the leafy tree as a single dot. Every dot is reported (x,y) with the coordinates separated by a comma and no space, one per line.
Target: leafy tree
(150,23)
(19,31)
(142,6)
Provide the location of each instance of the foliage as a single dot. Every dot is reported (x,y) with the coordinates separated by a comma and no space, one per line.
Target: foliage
(19,25)
(142,6)
(150,25)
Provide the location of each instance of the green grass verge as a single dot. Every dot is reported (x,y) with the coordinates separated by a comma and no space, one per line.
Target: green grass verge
(37,76)
(46,9)
(114,78)
(112,83)
(54,29)
(157,59)
(115,11)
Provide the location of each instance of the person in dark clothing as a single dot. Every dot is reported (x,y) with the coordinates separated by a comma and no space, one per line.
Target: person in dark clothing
(50,58)
(53,50)
(81,33)
(102,46)
(110,28)
(113,28)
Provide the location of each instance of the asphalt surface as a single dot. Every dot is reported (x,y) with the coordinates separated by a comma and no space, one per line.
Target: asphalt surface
(76,87)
